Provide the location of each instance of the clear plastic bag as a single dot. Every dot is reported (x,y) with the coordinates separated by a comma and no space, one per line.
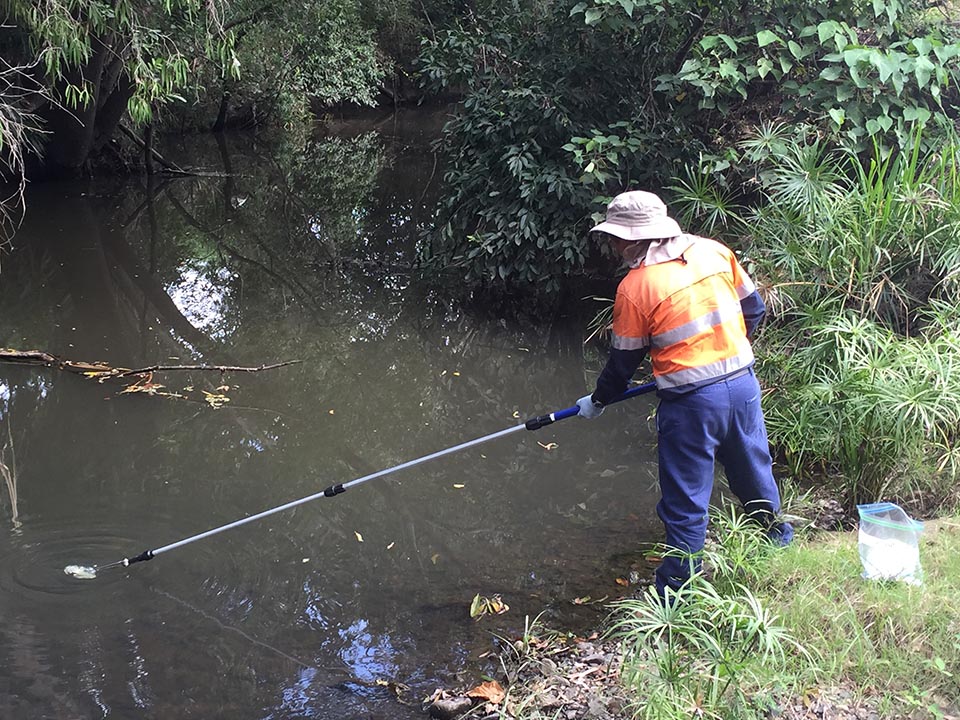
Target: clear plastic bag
(889,543)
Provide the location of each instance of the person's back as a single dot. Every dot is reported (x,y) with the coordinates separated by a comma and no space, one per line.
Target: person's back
(687,311)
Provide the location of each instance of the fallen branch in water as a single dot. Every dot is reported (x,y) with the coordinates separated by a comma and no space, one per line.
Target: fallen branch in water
(102,371)
(221,368)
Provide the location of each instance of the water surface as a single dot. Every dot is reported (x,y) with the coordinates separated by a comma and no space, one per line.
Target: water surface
(285,251)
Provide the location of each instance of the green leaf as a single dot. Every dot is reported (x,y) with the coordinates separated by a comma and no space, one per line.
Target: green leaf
(795,49)
(913,113)
(764,66)
(830,74)
(884,63)
(922,46)
(855,56)
(827,29)
(897,80)
(709,42)
(728,41)
(592,16)
(844,93)
(923,70)
(766,37)
(837,115)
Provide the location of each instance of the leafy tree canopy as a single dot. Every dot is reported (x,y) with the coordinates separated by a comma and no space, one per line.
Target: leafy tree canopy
(569,103)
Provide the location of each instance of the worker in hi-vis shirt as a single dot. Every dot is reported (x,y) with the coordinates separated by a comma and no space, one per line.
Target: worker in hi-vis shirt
(688,303)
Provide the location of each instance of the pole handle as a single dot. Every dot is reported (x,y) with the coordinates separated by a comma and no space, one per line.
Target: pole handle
(535,423)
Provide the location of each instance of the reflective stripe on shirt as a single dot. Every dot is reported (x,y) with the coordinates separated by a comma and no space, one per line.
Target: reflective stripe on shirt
(695,376)
(697,326)
(630,343)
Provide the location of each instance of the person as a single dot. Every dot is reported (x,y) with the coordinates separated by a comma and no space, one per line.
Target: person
(687,301)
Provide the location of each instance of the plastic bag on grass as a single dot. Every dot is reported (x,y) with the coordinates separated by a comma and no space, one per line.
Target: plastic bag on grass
(888,543)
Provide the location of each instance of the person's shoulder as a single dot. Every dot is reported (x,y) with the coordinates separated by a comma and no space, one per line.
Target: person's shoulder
(709,245)
(705,242)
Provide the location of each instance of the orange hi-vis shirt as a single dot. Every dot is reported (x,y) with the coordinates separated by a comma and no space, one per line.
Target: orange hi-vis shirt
(686,312)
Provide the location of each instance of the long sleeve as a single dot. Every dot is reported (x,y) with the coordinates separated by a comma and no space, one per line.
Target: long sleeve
(616,374)
(753,309)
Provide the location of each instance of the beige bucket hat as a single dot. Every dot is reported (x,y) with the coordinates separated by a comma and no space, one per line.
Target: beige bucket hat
(638,215)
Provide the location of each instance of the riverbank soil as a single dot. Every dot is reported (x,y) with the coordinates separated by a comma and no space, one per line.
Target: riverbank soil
(876,650)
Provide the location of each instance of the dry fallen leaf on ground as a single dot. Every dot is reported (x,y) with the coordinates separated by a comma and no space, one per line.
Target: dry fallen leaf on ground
(491,691)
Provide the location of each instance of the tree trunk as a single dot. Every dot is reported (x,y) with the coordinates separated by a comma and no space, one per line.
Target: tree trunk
(148,149)
(72,130)
(221,122)
(111,112)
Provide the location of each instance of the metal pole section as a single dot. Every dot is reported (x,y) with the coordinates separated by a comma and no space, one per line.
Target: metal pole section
(534,423)
(329,492)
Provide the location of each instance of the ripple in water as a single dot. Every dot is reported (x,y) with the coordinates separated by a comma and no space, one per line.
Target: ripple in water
(50,561)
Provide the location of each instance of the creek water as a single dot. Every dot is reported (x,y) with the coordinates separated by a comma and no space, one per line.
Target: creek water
(286,250)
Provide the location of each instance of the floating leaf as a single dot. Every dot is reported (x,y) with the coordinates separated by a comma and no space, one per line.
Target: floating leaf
(434,558)
(459,486)
(487,606)
(548,446)
(306,560)
(150,388)
(478,606)
(359,536)
(390,546)
(215,400)
(456,374)
(497,605)
(516,413)
(330,412)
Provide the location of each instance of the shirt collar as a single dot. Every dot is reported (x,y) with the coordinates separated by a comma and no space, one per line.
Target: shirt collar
(661,251)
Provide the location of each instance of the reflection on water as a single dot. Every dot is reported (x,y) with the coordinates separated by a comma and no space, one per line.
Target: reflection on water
(283,252)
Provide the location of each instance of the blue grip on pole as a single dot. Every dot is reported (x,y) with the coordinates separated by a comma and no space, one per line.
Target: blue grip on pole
(539,422)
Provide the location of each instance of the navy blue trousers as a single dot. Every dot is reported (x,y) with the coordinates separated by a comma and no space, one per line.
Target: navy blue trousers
(719,422)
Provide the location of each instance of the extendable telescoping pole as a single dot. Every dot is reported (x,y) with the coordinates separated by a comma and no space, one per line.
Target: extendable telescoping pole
(534,423)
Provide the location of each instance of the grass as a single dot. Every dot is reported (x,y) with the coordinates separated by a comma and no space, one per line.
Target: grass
(774,625)
(895,643)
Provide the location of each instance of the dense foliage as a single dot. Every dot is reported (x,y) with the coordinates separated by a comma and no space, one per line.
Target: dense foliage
(860,264)
(568,104)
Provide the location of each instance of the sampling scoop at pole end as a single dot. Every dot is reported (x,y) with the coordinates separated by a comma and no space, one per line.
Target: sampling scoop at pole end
(89,572)
(81,572)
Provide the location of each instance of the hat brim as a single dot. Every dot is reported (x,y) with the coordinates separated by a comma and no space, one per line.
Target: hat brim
(663,227)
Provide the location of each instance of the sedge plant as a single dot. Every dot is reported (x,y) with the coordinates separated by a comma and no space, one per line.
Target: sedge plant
(713,647)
